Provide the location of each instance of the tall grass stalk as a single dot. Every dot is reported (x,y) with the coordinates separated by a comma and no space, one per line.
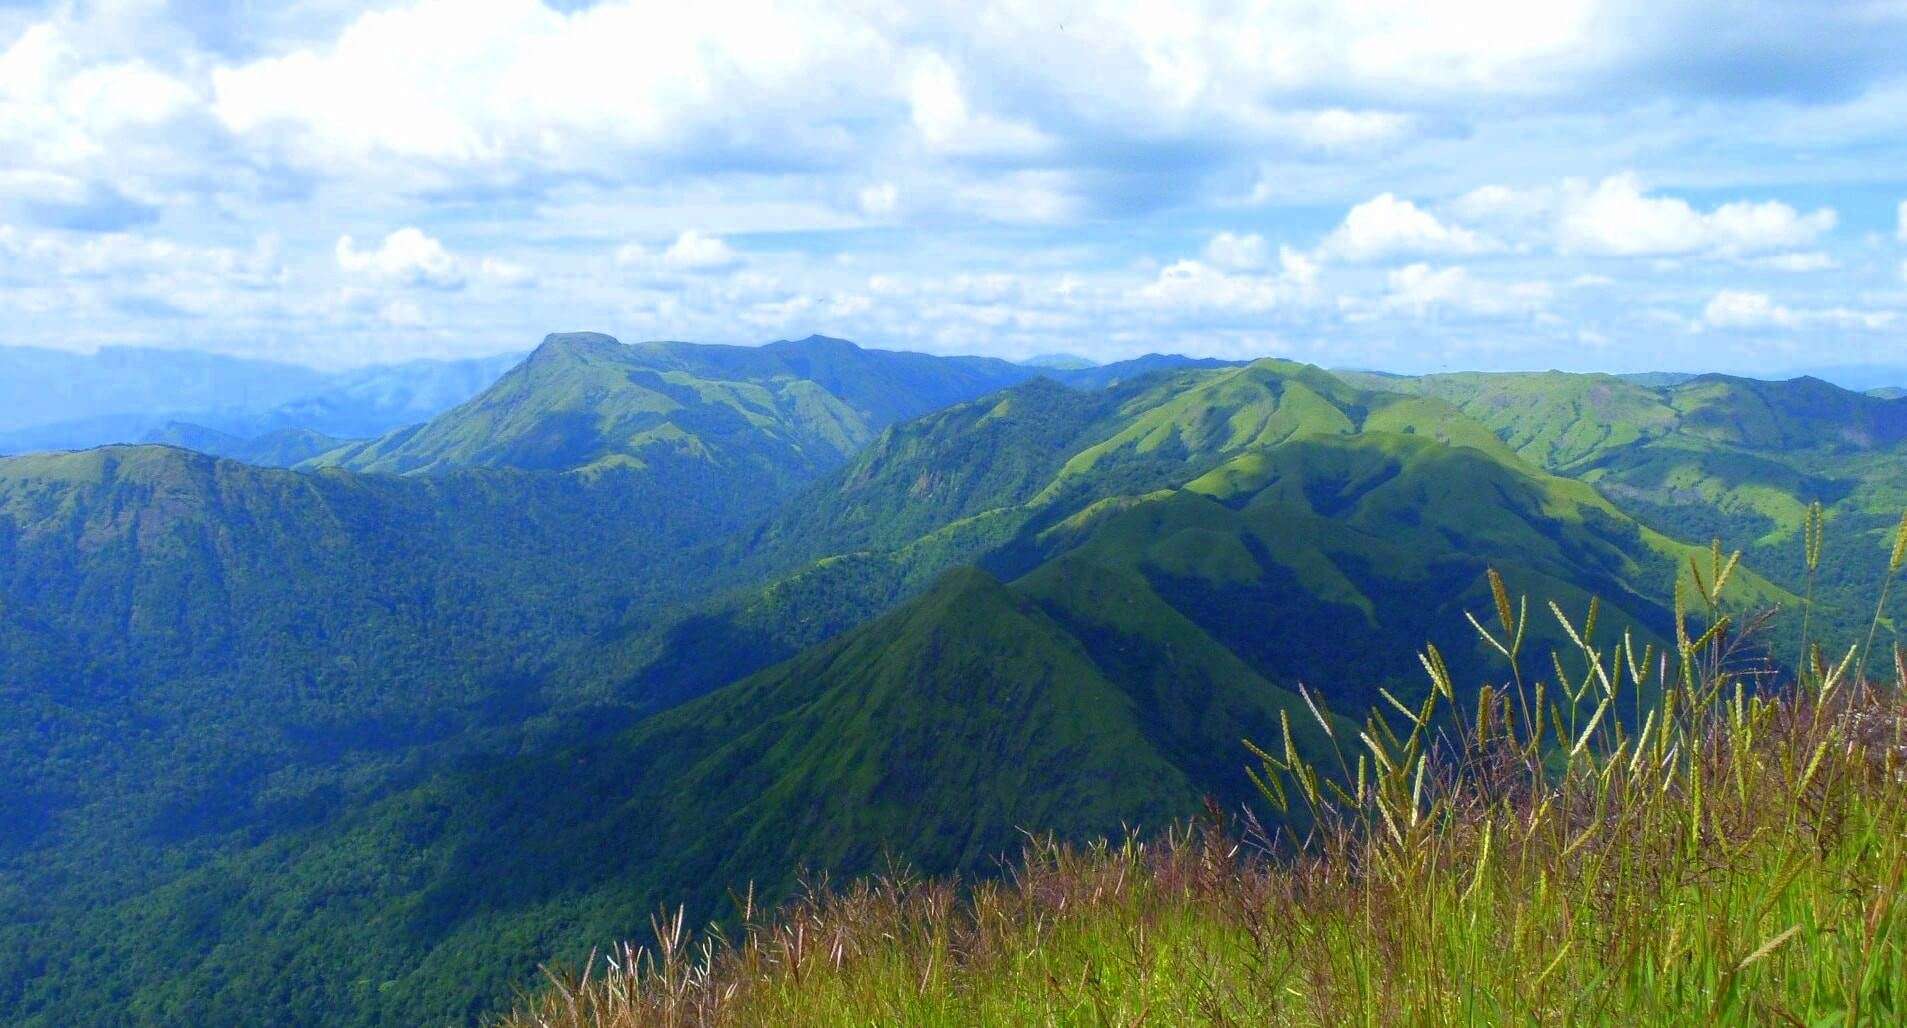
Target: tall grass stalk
(1734,854)
(1813,530)
(1880,607)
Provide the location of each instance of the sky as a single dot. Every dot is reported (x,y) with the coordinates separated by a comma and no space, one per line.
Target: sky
(1473,184)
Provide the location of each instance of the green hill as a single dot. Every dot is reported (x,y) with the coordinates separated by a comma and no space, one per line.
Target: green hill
(778,414)
(995,481)
(363,743)
(1107,686)
(934,734)
(283,448)
(1716,456)
(199,657)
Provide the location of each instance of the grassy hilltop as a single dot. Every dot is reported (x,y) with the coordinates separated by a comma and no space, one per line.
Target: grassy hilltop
(1738,855)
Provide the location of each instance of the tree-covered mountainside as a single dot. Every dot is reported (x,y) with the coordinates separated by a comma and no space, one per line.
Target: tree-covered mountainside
(1715,456)
(781,412)
(1001,481)
(364,741)
(199,656)
(284,448)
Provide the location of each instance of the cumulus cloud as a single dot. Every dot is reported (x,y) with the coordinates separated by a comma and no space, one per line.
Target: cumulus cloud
(692,251)
(946,122)
(505,273)
(1421,290)
(1743,309)
(478,81)
(1237,252)
(1053,145)
(1197,287)
(495,80)
(1385,226)
(1617,217)
(406,257)
(124,256)
(58,109)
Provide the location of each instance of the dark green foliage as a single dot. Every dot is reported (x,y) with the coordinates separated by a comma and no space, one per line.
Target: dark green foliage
(283,448)
(642,624)
(782,413)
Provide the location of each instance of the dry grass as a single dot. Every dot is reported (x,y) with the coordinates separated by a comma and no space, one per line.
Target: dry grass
(1718,852)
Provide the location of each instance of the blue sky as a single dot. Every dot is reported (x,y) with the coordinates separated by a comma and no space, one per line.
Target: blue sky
(1472,184)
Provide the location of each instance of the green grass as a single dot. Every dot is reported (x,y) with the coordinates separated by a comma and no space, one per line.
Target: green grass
(1734,853)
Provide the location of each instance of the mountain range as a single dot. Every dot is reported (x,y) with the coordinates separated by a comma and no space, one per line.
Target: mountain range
(54,400)
(366,739)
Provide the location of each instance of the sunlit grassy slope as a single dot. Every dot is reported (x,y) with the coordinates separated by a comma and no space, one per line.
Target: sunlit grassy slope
(1736,855)
(583,401)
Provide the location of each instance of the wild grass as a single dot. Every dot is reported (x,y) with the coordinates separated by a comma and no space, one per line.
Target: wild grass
(1636,838)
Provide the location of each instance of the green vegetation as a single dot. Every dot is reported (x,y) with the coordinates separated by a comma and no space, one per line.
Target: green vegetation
(283,448)
(365,741)
(1712,456)
(1736,855)
(773,414)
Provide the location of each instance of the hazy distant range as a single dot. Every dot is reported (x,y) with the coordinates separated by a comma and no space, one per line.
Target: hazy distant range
(56,400)
(274,412)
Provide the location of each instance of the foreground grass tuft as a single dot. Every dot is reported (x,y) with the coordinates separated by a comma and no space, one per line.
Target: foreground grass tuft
(1635,838)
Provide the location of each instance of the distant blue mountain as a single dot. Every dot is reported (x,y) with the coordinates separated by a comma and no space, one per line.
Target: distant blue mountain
(1060,362)
(41,387)
(52,400)
(1103,375)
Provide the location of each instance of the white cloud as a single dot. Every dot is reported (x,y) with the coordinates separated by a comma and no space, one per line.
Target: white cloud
(1812,260)
(1026,197)
(494,80)
(489,81)
(945,121)
(693,251)
(880,200)
(1338,129)
(1618,218)
(1735,308)
(121,256)
(1385,226)
(1192,286)
(1502,204)
(1420,290)
(1237,252)
(402,314)
(406,257)
(1742,309)
(571,127)
(505,273)
(59,110)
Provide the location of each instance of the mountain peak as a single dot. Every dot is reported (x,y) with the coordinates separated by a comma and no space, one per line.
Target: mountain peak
(570,343)
(815,342)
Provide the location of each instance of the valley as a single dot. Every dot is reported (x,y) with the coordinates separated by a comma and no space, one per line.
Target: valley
(375,727)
